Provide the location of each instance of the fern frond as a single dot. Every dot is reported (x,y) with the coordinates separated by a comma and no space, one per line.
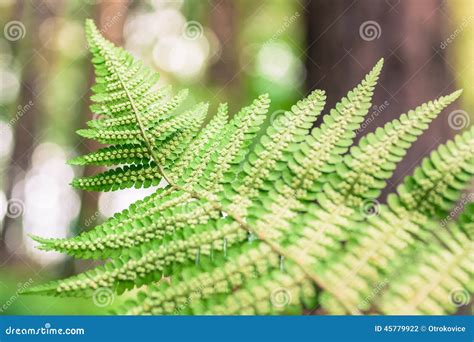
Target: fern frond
(288,293)
(240,131)
(436,185)
(197,154)
(237,136)
(439,280)
(380,240)
(155,99)
(143,172)
(91,243)
(217,276)
(313,159)
(310,159)
(364,172)
(398,229)
(114,155)
(148,262)
(263,165)
(137,176)
(95,244)
(235,223)
(123,90)
(252,268)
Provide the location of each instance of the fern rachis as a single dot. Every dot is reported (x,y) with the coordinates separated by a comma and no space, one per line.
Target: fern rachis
(240,220)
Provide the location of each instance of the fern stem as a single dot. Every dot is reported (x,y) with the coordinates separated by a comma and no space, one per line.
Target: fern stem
(148,144)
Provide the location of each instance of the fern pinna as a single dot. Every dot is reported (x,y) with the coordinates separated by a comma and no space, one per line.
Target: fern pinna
(274,226)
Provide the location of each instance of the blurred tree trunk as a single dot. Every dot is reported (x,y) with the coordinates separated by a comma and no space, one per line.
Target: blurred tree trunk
(224,73)
(32,58)
(407,34)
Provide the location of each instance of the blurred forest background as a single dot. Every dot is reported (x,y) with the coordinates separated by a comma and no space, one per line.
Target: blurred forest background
(223,50)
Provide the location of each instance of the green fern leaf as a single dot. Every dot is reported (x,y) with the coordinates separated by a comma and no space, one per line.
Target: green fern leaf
(272,226)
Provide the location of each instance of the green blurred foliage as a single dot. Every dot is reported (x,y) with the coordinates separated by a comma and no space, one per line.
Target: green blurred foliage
(13,303)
